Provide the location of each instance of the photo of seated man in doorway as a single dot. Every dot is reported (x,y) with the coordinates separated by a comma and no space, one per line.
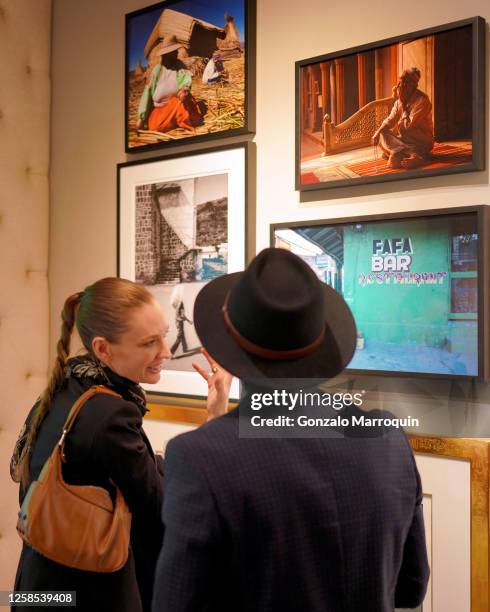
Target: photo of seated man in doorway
(389,110)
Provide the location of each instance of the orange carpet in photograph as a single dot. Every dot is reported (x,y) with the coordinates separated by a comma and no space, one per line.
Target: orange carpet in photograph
(308,178)
(442,155)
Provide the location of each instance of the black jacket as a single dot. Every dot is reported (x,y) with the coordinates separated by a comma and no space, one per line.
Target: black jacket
(290,525)
(107,442)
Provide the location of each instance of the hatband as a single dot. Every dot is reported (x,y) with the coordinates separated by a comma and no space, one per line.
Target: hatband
(265,353)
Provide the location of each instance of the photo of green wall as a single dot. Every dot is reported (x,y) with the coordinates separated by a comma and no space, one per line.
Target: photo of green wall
(411,285)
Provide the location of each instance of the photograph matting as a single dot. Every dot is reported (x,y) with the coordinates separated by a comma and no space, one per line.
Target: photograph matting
(230,161)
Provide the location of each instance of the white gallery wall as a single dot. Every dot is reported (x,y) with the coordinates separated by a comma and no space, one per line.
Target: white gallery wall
(88,142)
(288,31)
(88,124)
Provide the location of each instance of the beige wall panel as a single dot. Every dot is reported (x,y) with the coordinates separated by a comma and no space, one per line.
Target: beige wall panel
(25,27)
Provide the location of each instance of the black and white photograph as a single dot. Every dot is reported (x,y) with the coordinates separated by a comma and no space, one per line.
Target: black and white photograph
(182,224)
(181,242)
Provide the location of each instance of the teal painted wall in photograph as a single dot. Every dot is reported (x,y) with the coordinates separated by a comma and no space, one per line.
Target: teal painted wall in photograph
(400,306)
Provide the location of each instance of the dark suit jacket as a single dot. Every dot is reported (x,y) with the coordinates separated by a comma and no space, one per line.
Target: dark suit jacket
(290,525)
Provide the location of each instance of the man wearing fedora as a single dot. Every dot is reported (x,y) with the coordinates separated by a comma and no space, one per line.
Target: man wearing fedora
(286,524)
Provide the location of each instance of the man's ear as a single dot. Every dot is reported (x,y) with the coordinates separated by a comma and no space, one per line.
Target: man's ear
(102,349)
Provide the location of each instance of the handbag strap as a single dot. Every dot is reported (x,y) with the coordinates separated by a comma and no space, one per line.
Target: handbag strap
(77,406)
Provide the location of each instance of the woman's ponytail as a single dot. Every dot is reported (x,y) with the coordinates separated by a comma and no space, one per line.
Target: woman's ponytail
(68,316)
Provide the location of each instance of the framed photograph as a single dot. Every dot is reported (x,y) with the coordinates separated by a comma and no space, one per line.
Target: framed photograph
(456,520)
(182,222)
(417,285)
(405,107)
(189,72)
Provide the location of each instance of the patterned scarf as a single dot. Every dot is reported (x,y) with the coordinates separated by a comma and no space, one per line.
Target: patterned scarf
(89,371)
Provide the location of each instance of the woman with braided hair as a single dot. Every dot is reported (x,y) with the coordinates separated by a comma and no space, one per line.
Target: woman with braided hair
(123,330)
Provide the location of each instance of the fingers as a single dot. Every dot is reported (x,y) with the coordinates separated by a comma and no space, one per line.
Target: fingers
(208,357)
(203,373)
(218,376)
(208,376)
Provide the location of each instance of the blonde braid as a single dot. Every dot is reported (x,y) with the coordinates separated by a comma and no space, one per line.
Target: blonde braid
(68,316)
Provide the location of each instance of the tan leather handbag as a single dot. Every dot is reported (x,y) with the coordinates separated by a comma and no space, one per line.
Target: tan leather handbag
(74,525)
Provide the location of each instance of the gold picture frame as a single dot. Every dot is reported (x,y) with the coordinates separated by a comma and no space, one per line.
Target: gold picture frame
(193,413)
(477,452)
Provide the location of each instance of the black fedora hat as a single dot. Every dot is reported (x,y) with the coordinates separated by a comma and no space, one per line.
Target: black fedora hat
(275,320)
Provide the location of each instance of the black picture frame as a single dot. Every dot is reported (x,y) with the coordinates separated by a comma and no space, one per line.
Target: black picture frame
(226,94)
(333,130)
(181,166)
(482,213)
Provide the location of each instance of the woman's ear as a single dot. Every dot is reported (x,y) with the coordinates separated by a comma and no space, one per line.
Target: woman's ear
(102,349)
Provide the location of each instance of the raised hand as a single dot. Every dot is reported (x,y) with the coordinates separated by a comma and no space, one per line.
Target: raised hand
(219,383)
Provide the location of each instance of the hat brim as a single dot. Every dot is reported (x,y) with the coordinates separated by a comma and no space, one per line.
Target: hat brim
(332,356)
(169,49)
